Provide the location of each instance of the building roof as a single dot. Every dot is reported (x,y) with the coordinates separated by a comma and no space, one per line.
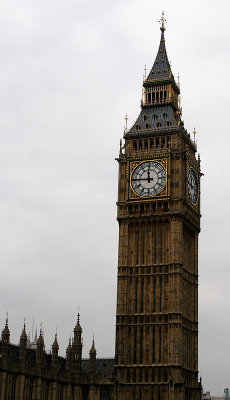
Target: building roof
(103,366)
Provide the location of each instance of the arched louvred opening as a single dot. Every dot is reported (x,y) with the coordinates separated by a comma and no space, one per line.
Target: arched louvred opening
(165,95)
(151,144)
(140,145)
(134,146)
(149,97)
(157,97)
(163,142)
(146,145)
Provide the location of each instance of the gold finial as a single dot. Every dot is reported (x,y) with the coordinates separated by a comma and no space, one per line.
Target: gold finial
(7,317)
(194,133)
(163,21)
(126,122)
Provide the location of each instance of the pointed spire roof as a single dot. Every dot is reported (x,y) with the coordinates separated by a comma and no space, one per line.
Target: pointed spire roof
(69,347)
(161,69)
(23,337)
(6,331)
(55,346)
(93,350)
(78,326)
(40,341)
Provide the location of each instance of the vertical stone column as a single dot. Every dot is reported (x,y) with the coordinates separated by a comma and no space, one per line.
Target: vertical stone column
(20,387)
(39,388)
(3,378)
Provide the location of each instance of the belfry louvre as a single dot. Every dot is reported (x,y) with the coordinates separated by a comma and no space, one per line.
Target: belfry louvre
(158,211)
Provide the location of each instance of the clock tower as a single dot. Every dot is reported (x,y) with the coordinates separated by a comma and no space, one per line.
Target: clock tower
(158,211)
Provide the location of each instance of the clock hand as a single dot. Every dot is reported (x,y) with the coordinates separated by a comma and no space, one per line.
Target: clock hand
(148,172)
(142,179)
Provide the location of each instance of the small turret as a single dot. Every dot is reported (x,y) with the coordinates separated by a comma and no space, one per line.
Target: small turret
(77,331)
(92,358)
(23,343)
(5,338)
(69,356)
(40,348)
(55,348)
(77,346)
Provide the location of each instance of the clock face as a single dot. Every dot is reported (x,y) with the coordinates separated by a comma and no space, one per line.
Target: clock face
(192,186)
(148,179)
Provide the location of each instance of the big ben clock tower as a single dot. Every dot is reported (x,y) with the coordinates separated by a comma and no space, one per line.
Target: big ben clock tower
(159,223)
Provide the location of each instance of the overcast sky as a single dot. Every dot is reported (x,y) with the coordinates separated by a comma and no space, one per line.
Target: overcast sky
(69,71)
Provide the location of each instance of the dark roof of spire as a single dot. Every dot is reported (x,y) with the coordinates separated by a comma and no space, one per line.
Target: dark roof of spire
(23,336)
(78,326)
(161,68)
(55,343)
(6,331)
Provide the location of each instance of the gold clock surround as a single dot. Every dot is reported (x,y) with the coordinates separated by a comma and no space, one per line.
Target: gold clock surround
(134,164)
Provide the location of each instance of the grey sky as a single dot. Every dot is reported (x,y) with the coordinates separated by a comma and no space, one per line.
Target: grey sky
(69,72)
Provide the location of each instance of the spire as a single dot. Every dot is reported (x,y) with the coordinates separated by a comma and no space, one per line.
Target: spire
(161,68)
(23,337)
(69,355)
(93,350)
(40,347)
(55,348)
(92,358)
(77,330)
(5,338)
(77,345)
(23,342)
(160,107)
(6,332)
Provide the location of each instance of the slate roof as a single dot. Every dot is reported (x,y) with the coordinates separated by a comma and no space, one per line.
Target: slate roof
(103,366)
(161,68)
(150,118)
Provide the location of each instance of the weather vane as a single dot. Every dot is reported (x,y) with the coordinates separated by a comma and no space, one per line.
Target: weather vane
(163,21)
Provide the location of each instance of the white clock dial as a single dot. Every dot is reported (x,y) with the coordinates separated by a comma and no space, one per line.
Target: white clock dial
(148,179)
(192,186)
